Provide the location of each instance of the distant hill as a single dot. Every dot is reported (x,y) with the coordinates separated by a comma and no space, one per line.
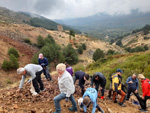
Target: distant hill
(9,16)
(101,24)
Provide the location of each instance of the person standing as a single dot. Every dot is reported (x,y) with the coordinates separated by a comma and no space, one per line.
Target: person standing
(146,92)
(34,71)
(90,96)
(116,86)
(133,85)
(99,79)
(69,69)
(82,77)
(66,87)
(44,63)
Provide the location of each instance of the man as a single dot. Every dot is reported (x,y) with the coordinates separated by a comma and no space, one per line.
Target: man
(82,77)
(133,85)
(99,79)
(44,63)
(146,92)
(35,72)
(116,86)
(66,87)
(90,96)
(69,69)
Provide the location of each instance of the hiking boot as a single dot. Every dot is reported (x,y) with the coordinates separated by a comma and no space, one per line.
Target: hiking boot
(43,90)
(35,93)
(115,101)
(73,109)
(144,110)
(122,104)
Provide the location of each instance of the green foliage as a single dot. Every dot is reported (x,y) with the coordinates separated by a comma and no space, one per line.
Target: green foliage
(146,38)
(12,64)
(119,43)
(80,50)
(47,24)
(72,33)
(71,57)
(27,40)
(79,67)
(49,39)
(40,42)
(145,29)
(137,49)
(6,65)
(35,58)
(13,51)
(98,54)
(136,63)
(111,52)
(84,46)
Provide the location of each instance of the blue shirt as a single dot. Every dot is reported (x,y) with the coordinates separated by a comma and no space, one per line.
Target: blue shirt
(92,93)
(43,62)
(134,85)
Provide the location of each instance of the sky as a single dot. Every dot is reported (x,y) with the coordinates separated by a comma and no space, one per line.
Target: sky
(63,9)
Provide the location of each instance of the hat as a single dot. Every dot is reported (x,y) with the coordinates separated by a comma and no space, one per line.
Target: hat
(40,55)
(119,70)
(141,76)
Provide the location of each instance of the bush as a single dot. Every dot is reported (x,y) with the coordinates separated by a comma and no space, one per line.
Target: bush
(70,54)
(110,52)
(84,46)
(35,58)
(119,43)
(79,67)
(40,42)
(80,50)
(6,65)
(13,51)
(27,40)
(98,54)
(12,64)
(49,39)
(72,33)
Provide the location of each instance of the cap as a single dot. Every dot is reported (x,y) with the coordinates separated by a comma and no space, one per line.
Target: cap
(119,70)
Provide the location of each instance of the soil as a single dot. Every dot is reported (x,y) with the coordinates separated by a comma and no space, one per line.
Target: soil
(24,102)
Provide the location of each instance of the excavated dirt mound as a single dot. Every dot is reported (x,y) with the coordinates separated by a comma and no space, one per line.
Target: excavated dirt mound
(24,102)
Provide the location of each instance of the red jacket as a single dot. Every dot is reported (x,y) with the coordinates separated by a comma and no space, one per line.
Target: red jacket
(145,87)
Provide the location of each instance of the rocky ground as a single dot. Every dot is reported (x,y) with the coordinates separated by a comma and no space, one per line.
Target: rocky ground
(24,102)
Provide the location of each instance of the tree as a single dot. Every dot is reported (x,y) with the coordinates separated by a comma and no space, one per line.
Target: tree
(110,52)
(49,39)
(71,56)
(84,46)
(13,51)
(145,47)
(72,33)
(119,43)
(80,50)
(98,54)
(40,42)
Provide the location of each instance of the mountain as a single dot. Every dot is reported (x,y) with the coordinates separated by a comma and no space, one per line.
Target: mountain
(102,24)
(9,16)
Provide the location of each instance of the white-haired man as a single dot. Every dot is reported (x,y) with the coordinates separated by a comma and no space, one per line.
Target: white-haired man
(34,71)
(66,86)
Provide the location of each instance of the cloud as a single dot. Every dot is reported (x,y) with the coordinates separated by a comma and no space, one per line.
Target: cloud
(76,8)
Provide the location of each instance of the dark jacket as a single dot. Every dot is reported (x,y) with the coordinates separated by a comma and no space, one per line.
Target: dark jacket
(134,85)
(43,62)
(101,80)
(80,75)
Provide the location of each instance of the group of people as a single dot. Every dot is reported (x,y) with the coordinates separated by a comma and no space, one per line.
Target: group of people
(66,82)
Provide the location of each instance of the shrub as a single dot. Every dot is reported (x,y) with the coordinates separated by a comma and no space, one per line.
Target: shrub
(79,67)
(6,65)
(110,52)
(27,40)
(72,33)
(13,51)
(80,50)
(14,62)
(119,43)
(35,58)
(40,42)
(70,54)
(98,54)
(84,46)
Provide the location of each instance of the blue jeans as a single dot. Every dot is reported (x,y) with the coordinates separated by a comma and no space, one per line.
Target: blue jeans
(60,97)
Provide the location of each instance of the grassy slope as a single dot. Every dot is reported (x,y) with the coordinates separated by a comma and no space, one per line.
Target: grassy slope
(129,63)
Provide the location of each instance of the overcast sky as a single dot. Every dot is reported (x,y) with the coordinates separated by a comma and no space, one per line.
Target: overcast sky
(58,9)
